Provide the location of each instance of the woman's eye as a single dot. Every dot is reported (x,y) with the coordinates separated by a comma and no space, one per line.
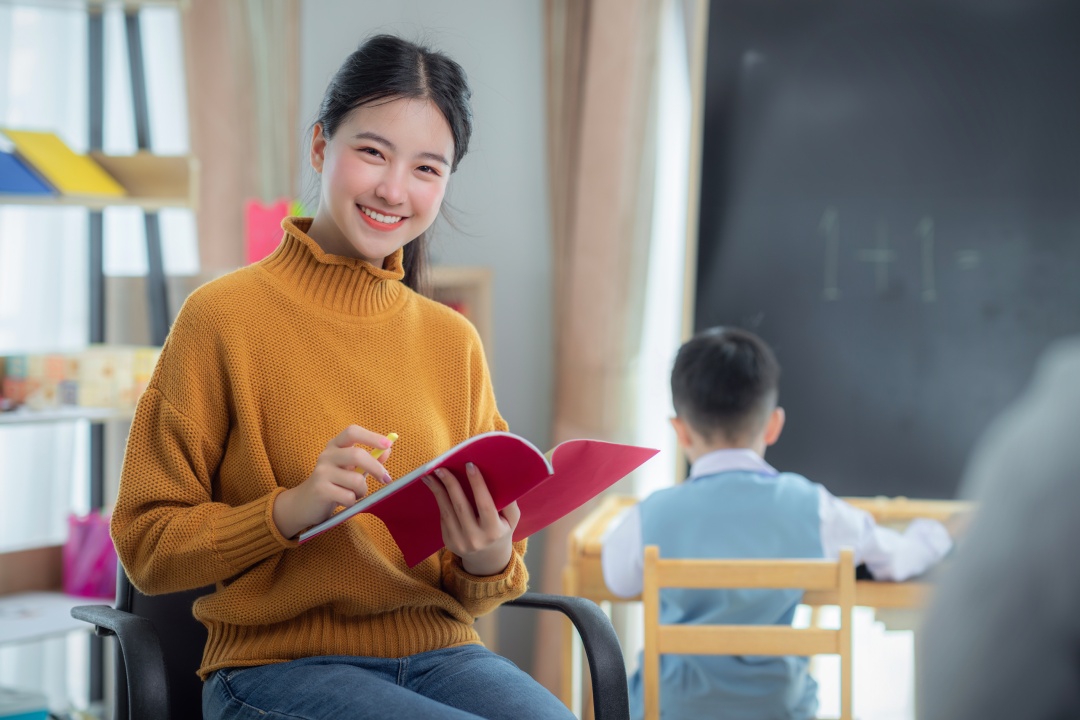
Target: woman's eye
(428,169)
(371,151)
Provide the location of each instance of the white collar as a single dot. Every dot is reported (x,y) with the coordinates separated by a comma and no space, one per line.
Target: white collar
(730,459)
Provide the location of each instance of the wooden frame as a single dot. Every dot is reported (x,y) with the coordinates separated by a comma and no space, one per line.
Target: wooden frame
(818,575)
(470,287)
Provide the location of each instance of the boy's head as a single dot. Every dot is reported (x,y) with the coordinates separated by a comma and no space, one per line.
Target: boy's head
(724,387)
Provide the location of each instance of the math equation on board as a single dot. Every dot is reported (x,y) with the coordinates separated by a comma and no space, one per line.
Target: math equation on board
(883,250)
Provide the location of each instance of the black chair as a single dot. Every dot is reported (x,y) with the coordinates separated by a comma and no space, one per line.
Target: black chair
(161,646)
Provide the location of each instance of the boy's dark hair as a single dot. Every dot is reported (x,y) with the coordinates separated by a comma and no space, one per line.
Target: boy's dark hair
(725,381)
(386,68)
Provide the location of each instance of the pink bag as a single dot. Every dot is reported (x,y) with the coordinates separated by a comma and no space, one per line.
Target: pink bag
(89,557)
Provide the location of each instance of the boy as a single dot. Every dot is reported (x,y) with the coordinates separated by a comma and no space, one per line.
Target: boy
(724,388)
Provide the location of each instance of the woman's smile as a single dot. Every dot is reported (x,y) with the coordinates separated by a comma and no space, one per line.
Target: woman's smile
(380,221)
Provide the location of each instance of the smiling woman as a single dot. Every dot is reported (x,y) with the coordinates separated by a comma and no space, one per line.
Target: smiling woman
(275,381)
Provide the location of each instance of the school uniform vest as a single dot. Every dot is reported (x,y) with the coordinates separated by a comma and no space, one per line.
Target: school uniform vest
(733,514)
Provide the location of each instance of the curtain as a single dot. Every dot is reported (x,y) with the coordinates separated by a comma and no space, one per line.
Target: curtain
(244,66)
(601,80)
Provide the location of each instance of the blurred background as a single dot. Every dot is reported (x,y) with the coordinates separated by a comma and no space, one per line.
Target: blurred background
(887,192)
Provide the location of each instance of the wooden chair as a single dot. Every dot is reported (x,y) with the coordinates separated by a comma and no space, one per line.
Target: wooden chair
(834,581)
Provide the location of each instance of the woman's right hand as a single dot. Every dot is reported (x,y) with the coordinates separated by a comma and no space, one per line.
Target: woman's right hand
(338,479)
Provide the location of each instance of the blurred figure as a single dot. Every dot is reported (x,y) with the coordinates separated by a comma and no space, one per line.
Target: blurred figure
(1002,638)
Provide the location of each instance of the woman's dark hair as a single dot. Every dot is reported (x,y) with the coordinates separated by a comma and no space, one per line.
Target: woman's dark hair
(725,380)
(386,68)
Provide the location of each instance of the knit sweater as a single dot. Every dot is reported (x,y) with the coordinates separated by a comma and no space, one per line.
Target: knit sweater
(262,368)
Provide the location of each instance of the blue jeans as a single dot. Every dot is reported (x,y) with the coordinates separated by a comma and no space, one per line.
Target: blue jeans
(462,682)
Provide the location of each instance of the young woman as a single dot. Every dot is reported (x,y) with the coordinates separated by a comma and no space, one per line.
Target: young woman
(273,385)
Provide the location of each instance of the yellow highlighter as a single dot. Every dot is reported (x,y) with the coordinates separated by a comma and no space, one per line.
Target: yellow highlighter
(392,437)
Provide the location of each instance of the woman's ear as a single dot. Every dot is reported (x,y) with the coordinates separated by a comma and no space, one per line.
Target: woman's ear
(318,148)
(774,426)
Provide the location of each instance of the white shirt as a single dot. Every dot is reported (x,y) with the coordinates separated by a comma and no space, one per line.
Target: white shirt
(887,554)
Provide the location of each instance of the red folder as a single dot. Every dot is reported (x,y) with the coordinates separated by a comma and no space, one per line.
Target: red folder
(514,469)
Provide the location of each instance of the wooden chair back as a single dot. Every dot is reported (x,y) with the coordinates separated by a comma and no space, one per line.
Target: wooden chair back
(832,579)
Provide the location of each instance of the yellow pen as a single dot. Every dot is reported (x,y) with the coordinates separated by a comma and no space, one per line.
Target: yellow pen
(392,437)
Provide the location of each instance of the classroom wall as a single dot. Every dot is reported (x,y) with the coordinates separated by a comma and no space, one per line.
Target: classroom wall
(499,192)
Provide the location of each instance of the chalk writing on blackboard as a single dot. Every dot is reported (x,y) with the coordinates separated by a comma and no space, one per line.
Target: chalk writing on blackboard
(925,229)
(830,227)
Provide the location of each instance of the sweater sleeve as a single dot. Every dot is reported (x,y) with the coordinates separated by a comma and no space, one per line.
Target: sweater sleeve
(169,532)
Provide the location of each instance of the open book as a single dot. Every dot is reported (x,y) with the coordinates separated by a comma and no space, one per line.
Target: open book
(514,469)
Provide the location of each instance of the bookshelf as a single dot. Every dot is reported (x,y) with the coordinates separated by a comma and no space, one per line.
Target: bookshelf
(22,416)
(32,604)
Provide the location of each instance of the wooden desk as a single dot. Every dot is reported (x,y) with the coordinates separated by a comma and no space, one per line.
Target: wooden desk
(584,577)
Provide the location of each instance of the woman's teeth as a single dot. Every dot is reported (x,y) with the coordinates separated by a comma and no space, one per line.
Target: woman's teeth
(388,219)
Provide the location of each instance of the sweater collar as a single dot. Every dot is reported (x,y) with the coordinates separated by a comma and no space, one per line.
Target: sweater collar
(341,284)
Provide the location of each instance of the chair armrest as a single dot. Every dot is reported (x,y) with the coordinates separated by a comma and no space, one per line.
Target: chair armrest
(611,699)
(148,695)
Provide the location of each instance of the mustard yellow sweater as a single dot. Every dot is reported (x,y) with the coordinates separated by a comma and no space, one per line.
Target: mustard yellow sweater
(261,369)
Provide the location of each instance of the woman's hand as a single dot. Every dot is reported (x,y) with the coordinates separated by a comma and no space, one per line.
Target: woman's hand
(483,538)
(338,479)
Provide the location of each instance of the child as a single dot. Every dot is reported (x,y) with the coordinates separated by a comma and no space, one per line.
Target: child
(724,389)
(273,385)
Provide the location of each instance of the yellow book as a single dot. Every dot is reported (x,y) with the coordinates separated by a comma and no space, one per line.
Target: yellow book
(66,170)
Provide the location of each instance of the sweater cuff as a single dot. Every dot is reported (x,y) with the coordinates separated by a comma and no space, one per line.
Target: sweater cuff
(247,534)
(466,586)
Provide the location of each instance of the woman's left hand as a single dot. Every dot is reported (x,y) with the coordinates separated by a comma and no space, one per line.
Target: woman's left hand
(483,538)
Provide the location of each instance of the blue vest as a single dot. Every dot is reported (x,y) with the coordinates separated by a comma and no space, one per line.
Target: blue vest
(735,514)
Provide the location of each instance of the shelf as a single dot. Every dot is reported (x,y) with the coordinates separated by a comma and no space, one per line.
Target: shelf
(22,416)
(153,182)
(30,616)
(83,5)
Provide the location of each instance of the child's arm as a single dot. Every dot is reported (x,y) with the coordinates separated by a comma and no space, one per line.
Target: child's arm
(887,554)
(622,554)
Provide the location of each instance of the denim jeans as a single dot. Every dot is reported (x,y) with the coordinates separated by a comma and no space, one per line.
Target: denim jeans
(462,682)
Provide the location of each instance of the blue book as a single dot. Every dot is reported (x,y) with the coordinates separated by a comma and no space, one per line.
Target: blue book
(16,178)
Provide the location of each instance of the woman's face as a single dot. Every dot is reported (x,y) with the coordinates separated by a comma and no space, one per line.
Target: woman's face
(383,177)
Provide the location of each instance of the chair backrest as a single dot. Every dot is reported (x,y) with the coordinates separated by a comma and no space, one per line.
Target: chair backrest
(182,640)
(833,579)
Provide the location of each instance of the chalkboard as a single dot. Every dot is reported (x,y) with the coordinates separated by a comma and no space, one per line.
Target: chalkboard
(891,198)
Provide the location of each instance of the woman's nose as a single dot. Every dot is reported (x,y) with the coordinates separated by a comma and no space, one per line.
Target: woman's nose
(391,188)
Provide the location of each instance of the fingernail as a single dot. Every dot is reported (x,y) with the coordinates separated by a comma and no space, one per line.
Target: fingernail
(386,442)
(386,477)
(469,467)
(427,480)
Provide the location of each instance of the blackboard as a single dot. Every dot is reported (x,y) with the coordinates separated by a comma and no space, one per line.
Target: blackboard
(891,198)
